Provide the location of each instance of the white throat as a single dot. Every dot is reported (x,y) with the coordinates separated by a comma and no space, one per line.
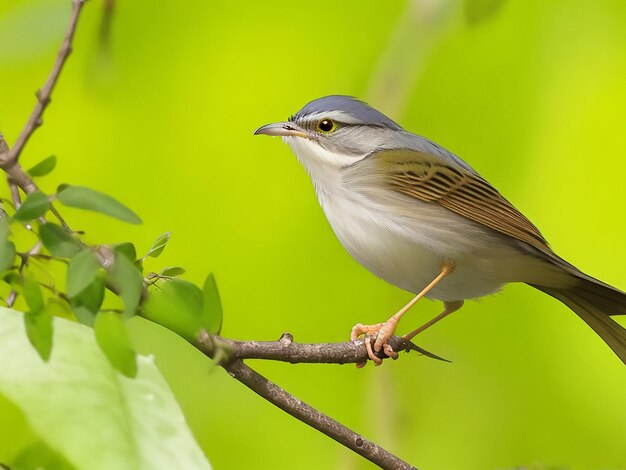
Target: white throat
(322,165)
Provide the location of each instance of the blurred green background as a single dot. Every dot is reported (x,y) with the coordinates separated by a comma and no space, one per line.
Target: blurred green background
(159,111)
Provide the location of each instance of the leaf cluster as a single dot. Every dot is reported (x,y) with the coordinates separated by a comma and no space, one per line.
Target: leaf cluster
(54,271)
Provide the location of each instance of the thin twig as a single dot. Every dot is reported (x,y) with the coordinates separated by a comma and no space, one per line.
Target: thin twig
(45,92)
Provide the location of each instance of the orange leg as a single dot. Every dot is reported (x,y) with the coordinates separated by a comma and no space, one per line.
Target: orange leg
(386,329)
(449,307)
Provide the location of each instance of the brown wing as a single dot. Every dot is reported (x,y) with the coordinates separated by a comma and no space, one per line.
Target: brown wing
(429,179)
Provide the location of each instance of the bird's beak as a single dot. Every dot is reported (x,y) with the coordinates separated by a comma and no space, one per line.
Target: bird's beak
(283,129)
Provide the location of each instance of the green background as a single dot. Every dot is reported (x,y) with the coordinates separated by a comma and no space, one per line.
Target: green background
(160,113)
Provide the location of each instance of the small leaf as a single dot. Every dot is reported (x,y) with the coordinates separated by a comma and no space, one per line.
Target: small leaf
(44,167)
(212,306)
(81,272)
(58,241)
(172,271)
(7,248)
(7,254)
(90,199)
(32,295)
(86,304)
(128,280)
(56,307)
(127,249)
(178,307)
(112,337)
(159,245)
(35,205)
(5,231)
(39,332)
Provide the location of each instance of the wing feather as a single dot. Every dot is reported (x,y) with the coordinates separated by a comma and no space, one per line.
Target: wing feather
(430,179)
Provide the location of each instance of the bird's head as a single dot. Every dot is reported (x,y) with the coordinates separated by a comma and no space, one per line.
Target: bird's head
(333,132)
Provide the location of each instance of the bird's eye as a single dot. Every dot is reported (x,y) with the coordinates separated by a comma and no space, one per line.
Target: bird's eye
(326,126)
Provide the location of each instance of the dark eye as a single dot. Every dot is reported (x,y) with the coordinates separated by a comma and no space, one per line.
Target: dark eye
(326,125)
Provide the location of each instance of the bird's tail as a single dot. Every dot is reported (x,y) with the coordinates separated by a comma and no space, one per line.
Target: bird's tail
(594,302)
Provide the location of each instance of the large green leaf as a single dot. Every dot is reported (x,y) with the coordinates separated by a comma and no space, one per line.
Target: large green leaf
(88,413)
(90,199)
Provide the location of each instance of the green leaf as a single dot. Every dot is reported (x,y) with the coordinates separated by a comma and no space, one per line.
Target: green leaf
(90,199)
(35,205)
(113,340)
(178,307)
(127,249)
(39,332)
(159,245)
(172,271)
(125,276)
(7,248)
(81,272)
(123,423)
(7,255)
(33,296)
(86,304)
(56,307)
(58,241)
(212,306)
(44,167)
(5,231)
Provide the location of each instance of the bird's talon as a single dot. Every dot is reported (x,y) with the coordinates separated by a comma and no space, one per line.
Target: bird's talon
(368,345)
(389,351)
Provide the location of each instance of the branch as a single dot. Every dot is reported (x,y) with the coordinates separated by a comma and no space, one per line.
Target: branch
(45,92)
(286,350)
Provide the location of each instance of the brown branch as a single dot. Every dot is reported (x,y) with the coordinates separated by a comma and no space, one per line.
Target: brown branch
(287,350)
(229,354)
(45,92)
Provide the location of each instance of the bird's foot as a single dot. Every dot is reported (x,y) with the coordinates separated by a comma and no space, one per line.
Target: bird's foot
(380,334)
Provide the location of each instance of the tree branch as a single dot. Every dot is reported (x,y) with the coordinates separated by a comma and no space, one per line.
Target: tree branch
(286,350)
(45,92)
(229,354)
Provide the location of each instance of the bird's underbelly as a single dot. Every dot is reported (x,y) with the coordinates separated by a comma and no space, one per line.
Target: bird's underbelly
(410,256)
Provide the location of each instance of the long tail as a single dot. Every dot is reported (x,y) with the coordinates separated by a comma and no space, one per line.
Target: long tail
(594,302)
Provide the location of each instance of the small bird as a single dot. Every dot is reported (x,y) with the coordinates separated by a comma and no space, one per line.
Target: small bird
(420,218)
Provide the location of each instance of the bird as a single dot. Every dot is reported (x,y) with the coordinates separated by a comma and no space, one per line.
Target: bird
(422,219)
